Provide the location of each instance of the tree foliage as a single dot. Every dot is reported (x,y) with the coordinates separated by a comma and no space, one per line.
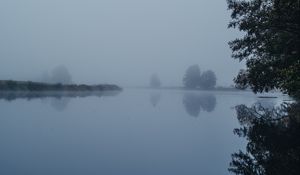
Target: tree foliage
(194,79)
(155,81)
(61,75)
(270,45)
(208,80)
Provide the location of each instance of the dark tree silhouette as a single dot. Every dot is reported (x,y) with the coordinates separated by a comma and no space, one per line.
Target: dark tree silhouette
(208,80)
(270,45)
(273,141)
(155,81)
(192,77)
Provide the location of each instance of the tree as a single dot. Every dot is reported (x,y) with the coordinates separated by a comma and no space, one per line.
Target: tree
(155,81)
(208,80)
(192,77)
(270,45)
(61,75)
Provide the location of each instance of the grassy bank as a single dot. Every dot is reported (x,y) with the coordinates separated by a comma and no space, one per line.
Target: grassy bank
(10,85)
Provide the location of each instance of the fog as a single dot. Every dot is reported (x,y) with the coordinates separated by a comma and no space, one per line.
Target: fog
(116,41)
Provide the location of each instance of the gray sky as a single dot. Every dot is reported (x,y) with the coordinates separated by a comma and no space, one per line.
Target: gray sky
(116,41)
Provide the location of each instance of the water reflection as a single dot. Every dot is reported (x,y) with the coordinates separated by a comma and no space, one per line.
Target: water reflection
(194,103)
(267,103)
(60,104)
(59,100)
(273,140)
(155,98)
(11,95)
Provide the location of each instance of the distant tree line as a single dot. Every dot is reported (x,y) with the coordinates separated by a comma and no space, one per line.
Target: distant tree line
(10,85)
(194,79)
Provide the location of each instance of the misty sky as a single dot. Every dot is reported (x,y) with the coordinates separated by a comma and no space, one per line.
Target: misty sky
(116,41)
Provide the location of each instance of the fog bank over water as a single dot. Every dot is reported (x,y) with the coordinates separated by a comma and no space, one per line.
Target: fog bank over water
(115,41)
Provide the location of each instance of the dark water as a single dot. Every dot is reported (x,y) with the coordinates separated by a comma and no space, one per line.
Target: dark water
(136,132)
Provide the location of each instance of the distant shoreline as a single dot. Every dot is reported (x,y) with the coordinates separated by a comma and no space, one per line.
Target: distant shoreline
(193,89)
(29,86)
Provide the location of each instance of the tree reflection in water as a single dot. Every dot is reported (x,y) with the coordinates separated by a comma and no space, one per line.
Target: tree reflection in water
(59,99)
(273,146)
(60,104)
(155,98)
(194,102)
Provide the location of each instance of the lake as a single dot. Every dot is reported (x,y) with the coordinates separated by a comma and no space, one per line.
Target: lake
(134,132)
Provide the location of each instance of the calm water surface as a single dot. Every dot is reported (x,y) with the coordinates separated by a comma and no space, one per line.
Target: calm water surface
(135,132)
